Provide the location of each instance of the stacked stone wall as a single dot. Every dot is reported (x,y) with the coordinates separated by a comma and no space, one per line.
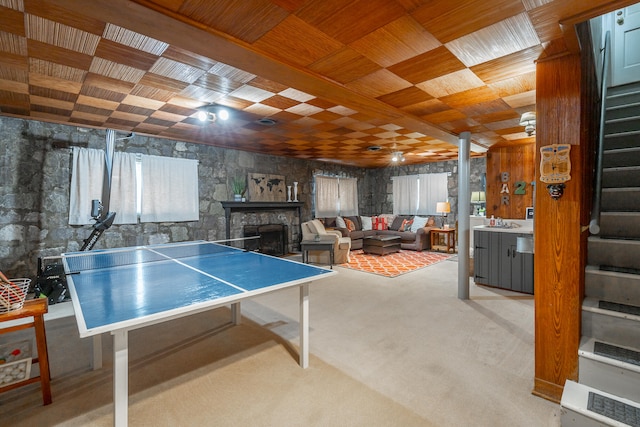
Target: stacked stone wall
(35,174)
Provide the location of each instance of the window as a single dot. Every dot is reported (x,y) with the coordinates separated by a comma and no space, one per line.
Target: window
(169,190)
(336,196)
(149,188)
(418,194)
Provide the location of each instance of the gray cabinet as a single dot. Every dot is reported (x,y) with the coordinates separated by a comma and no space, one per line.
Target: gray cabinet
(498,263)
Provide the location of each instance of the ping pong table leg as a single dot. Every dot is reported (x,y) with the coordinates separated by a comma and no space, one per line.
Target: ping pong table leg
(120,377)
(236,313)
(304,325)
(97,352)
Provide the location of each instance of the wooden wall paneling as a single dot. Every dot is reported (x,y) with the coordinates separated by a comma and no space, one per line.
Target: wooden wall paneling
(559,269)
(519,162)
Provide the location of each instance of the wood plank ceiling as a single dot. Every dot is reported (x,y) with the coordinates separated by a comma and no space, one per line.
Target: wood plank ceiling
(336,76)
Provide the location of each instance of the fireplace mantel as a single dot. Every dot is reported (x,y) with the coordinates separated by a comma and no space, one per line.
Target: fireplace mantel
(230,206)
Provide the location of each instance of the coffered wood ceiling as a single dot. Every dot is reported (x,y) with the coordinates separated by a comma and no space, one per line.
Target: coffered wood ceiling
(336,76)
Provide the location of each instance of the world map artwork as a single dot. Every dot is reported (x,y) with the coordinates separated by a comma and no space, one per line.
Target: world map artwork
(266,188)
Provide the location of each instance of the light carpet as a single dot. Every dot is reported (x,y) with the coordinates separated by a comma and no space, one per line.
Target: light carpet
(393,265)
(203,371)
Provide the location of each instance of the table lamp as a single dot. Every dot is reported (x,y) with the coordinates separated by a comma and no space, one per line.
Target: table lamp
(443,208)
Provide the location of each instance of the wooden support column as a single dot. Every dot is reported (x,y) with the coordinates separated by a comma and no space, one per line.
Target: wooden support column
(560,239)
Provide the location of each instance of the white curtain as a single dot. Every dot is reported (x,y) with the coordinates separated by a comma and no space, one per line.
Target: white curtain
(169,190)
(405,194)
(123,188)
(87,174)
(348,188)
(327,196)
(433,189)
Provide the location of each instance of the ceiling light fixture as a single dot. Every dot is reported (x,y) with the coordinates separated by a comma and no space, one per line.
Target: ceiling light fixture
(212,112)
(528,120)
(267,121)
(397,156)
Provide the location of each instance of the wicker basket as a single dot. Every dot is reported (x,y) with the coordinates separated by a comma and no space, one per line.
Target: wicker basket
(13,295)
(14,372)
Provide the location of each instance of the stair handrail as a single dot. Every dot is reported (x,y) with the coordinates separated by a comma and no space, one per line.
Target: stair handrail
(594,224)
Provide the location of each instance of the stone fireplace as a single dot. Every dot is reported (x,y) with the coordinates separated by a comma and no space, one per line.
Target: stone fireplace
(273,238)
(240,217)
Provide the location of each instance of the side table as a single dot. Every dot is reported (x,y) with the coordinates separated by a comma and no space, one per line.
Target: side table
(449,238)
(316,245)
(35,308)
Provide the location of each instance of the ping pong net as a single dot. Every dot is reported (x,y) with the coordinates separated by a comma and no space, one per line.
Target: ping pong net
(103,259)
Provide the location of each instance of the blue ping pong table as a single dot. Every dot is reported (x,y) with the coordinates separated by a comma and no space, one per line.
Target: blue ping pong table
(119,290)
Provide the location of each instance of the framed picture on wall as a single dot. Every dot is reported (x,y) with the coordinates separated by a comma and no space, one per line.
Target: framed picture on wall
(266,188)
(529,213)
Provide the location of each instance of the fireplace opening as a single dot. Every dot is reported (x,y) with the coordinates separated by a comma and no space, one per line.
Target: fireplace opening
(273,239)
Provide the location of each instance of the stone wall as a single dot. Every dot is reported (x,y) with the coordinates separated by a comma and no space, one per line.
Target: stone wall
(379,199)
(35,159)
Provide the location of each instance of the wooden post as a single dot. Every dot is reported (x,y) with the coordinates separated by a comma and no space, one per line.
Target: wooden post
(559,237)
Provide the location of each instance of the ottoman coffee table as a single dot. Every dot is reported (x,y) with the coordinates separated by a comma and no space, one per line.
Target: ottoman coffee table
(381,245)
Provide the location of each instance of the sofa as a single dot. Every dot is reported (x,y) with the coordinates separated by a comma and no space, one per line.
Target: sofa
(416,238)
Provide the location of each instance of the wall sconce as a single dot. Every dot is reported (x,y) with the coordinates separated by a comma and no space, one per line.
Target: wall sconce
(397,156)
(212,112)
(443,208)
(528,120)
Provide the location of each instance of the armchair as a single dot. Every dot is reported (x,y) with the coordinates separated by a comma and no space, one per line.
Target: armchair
(341,247)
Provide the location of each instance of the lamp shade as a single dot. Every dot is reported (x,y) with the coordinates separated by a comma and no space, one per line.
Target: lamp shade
(478,197)
(443,207)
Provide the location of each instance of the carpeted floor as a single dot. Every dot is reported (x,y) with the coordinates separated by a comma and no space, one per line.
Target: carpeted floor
(383,352)
(393,265)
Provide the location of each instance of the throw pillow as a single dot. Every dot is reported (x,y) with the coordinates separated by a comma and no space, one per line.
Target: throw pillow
(388,220)
(406,225)
(367,223)
(356,222)
(397,222)
(340,222)
(350,225)
(418,223)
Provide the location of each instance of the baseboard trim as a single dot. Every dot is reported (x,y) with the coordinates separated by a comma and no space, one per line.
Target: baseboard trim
(547,390)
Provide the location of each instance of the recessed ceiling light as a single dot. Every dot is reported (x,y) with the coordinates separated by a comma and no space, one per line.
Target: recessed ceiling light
(374,148)
(267,121)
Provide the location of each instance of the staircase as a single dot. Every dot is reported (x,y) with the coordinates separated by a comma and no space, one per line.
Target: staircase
(608,393)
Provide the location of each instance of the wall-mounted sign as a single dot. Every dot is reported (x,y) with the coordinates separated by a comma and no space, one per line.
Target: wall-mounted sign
(555,167)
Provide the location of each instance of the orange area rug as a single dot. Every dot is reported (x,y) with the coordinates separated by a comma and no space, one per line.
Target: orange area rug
(395,264)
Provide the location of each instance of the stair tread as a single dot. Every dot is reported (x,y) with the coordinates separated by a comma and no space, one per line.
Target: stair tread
(613,135)
(612,354)
(609,271)
(576,397)
(620,308)
(619,107)
(613,409)
(621,168)
(622,119)
(621,213)
(615,240)
(621,189)
(593,305)
(621,150)
(618,353)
